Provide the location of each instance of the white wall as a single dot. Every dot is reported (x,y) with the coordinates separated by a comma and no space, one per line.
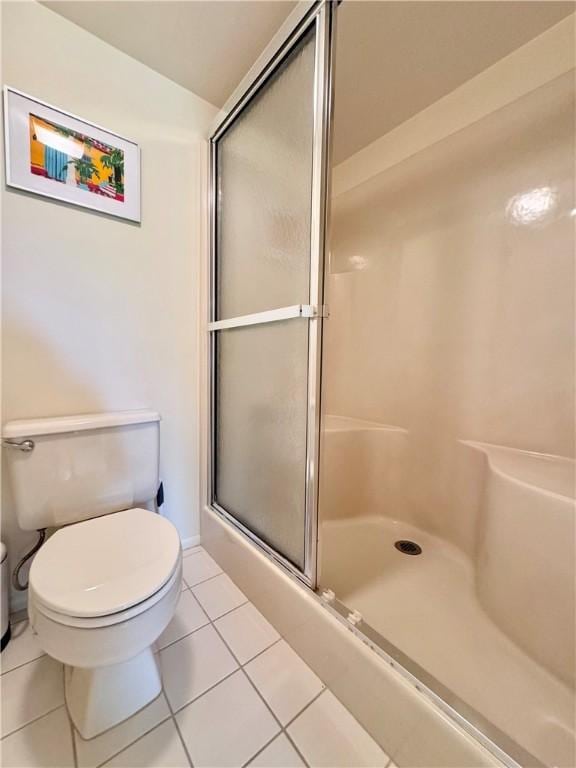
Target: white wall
(451,307)
(100,314)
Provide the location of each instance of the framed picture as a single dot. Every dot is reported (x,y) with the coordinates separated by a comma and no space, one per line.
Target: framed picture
(56,154)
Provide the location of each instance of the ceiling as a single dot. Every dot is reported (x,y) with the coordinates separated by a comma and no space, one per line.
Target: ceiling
(393,59)
(205,45)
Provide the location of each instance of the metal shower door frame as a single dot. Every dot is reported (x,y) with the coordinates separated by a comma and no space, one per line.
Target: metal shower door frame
(319,15)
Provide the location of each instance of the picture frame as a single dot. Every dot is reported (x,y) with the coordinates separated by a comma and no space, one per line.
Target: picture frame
(58,155)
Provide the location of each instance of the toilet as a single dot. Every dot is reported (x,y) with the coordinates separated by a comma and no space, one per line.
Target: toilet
(106,582)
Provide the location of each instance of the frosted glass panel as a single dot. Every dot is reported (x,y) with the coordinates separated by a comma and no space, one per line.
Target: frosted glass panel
(264,172)
(261,403)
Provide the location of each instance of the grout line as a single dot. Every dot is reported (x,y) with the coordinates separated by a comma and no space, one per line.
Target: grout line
(305,707)
(122,722)
(255,755)
(34,720)
(260,696)
(19,666)
(145,733)
(30,661)
(173,642)
(296,748)
(268,707)
(203,581)
(209,621)
(241,667)
(191,551)
(73,735)
(282,727)
(256,655)
(69,718)
(225,612)
(179,732)
(242,664)
(177,711)
(127,746)
(251,683)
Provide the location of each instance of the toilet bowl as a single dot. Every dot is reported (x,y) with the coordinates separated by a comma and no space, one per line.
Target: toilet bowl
(105,585)
(100,594)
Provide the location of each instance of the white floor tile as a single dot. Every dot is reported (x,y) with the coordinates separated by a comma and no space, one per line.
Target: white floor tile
(188,617)
(199,566)
(192,665)
(93,752)
(45,743)
(31,691)
(327,735)
(219,595)
(192,550)
(284,680)
(161,748)
(22,648)
(227,725)
(247,632)
(279,754)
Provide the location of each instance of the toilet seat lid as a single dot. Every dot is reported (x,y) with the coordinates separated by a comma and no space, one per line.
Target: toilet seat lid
(106,564)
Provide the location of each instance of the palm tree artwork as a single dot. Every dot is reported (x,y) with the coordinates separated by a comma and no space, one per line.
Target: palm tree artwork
(84,165)
(85,169)
(115,161)
(81,162)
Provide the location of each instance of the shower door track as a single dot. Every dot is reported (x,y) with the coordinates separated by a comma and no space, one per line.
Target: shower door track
(495,741)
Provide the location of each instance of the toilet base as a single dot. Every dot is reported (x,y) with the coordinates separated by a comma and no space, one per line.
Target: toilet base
(101,697)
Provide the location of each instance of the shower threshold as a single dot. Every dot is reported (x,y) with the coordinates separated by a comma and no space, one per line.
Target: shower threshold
(423,612)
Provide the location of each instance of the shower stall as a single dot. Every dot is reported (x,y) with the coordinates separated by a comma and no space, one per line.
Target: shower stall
(391,343)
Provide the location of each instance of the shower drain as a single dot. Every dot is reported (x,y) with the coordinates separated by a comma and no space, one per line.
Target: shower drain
(408,547)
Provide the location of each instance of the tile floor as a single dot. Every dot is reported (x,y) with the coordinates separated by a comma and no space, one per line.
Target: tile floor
(235,694)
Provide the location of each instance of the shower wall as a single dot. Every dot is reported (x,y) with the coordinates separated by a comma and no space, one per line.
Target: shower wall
(451,297)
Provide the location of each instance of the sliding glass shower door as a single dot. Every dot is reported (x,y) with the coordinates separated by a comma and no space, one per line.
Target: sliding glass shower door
(268,210)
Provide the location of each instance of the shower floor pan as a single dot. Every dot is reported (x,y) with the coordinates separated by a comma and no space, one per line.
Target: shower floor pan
(426,606)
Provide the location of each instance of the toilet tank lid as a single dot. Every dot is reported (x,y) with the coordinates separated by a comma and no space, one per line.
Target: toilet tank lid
(82,422)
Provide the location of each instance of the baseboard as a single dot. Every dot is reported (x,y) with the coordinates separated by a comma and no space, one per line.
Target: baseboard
(192,541)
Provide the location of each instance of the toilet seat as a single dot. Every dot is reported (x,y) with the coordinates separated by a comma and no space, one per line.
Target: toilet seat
(92,622)
(105,570)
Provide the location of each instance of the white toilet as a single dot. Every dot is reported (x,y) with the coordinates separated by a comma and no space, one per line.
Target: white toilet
(106,584)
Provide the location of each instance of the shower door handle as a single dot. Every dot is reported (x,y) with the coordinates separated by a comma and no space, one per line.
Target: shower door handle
(309,311)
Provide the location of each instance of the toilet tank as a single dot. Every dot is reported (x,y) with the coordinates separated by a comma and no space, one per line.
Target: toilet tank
(81,466)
